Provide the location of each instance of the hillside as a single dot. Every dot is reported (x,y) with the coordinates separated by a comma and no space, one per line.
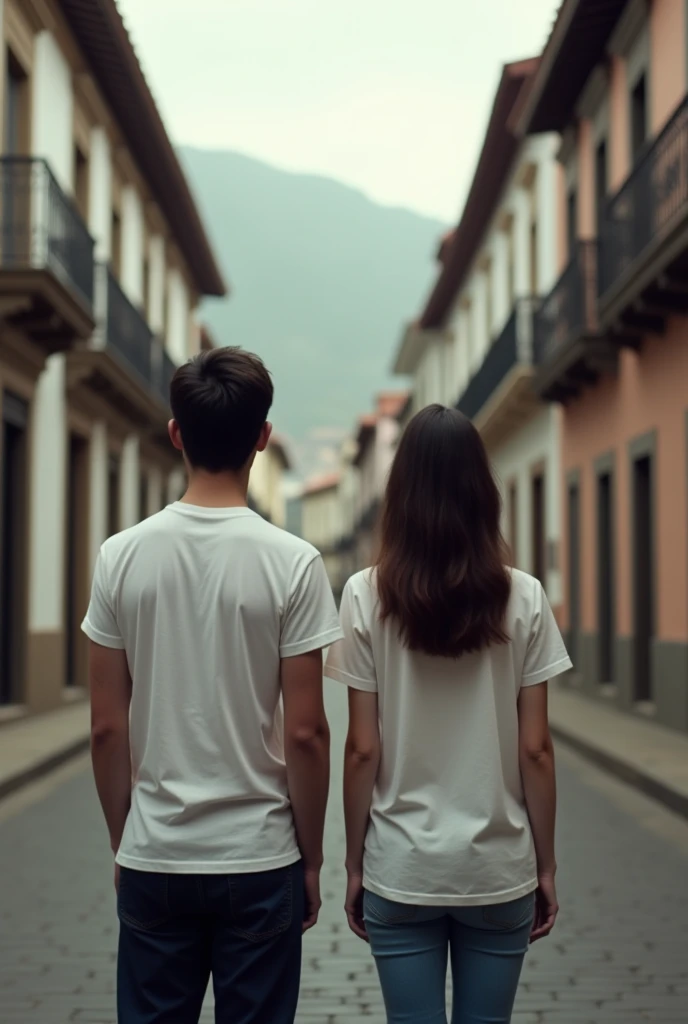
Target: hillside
(322,280)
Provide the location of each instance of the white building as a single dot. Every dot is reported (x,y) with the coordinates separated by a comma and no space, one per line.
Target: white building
(103,260)
(473,344)
(321,521)
(267,481)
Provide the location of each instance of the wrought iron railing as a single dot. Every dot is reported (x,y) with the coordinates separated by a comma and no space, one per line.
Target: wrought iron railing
(40,228)
(126,331)
(513,346)
(649,203)
(570,309)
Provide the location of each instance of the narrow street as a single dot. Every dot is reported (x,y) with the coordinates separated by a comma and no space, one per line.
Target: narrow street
(619,953)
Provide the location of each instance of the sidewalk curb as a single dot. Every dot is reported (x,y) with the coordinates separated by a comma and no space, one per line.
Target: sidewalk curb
(634,776)
(43,766)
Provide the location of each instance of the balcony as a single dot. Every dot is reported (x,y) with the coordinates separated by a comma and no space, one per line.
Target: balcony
(120,363)
(500,395)
(569,351)
(46,257)
(644,236)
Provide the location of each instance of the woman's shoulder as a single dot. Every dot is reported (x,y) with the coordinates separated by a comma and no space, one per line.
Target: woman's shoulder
(527,594)
(362,584)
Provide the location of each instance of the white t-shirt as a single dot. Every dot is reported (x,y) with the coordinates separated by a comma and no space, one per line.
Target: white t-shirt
(206,602)
(448,821)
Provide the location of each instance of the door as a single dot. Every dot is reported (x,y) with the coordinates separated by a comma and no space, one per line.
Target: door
(605,577)
(574,570)
(76,575)
(643,590)
(600,182)
(13,483)
(113,495)
(538,513)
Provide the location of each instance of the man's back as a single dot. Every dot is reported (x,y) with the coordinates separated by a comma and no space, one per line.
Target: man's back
(206,602)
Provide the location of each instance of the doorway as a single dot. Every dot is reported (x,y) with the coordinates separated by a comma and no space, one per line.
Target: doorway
(643,589)
(605,576)
(574,568)
(13,507)
(538,514)
(76,576)
(113,495)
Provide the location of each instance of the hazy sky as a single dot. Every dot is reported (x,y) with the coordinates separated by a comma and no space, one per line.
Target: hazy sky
(391,96)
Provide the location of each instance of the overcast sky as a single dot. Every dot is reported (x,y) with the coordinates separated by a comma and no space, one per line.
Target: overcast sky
(390,96)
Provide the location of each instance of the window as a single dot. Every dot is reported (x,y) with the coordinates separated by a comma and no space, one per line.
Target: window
(572,220)
(600,179)
(605,576)
(113,495)
(533,259)
(638,117)
(16,82)
(81,182)
(143,496)
(116,244)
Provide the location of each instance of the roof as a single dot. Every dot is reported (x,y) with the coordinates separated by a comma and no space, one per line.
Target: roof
(492,171)
(99,30)
(278,445)
(318,484)
(575,47)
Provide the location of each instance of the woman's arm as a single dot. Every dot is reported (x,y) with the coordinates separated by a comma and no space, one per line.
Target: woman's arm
(536,756)
(361,763)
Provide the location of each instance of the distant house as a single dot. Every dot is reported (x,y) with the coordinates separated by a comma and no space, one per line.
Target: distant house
(266,483)
(321,521)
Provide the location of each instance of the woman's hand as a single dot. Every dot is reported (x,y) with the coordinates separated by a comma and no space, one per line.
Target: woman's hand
(354,905)
(546,907)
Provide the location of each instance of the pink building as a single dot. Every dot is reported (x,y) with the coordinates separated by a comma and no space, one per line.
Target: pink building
(611,342)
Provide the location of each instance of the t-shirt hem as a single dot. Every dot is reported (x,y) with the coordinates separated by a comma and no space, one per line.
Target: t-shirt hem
(204,867)
(340,676)
(104,639)
(421,899)
(549,672)
(312,643)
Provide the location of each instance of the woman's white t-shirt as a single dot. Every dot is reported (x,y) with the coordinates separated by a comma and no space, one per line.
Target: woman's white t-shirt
(448,822)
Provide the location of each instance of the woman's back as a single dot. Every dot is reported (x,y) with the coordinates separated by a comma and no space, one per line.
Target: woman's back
(448,821)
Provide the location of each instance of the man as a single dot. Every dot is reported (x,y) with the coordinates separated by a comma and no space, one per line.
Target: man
(201,618)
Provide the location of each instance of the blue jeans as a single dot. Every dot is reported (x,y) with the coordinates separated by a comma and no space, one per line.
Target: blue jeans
(411,946)
(178,930)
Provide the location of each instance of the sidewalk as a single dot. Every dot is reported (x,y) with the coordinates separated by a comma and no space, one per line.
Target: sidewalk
(31,747)
(646,755)
(641,753)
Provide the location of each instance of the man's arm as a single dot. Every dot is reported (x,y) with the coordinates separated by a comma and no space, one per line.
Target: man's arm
(110,684)
(307,756)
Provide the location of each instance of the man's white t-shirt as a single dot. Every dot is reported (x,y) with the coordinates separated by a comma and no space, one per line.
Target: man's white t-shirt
(448,822)
(206,602)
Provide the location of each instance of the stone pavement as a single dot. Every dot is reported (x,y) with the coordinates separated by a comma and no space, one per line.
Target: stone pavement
(619,955)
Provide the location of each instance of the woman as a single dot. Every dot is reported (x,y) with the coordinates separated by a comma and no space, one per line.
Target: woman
(449,774)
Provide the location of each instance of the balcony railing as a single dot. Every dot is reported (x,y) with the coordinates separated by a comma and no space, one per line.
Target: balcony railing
(40,229)
(124,330)
(570,309)
(514,346)
(648,204)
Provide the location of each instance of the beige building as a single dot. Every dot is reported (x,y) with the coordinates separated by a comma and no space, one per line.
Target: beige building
(266,485)
(103,260)
(321,521)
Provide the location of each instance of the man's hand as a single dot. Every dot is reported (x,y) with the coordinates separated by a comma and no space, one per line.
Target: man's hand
(354,906)
(313,901)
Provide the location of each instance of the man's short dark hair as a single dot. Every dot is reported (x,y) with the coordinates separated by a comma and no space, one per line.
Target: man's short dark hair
(220,400)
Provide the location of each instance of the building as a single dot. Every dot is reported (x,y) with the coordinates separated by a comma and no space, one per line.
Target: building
(321,521)
(348,504)
(103,259)
(376,439)
(611,342)
(472,346)
(266,484)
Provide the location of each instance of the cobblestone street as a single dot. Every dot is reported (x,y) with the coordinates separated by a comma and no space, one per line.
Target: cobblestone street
(618,955)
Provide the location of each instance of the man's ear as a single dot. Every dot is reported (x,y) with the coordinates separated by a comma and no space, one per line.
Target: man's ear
(264,437)
(175,435)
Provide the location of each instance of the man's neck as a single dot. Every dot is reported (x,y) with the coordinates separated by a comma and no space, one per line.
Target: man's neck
(217,490)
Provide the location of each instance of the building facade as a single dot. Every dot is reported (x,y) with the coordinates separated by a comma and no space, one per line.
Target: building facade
(266,483)
(611,343)
(472,346)
(103,259)
(321,522)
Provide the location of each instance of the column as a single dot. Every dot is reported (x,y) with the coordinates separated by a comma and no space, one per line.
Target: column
(521,210)
(98,480)
(500,282)
(155,490)
(100,195)
(45,669)
(479,339)
(546,207)
(132,245)
(463,355)
(129,483)
(156,284)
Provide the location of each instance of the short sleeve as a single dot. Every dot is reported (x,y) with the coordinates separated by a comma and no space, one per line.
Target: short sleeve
(100,624)
(310,621)
(350,660)
(546,655)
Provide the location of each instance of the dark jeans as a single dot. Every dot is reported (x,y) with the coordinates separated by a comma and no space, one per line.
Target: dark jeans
(178,930)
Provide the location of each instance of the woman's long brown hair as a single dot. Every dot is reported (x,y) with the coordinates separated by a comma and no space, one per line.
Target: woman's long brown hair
(442,571)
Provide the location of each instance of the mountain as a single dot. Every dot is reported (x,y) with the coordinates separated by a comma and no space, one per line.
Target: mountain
(322,280)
